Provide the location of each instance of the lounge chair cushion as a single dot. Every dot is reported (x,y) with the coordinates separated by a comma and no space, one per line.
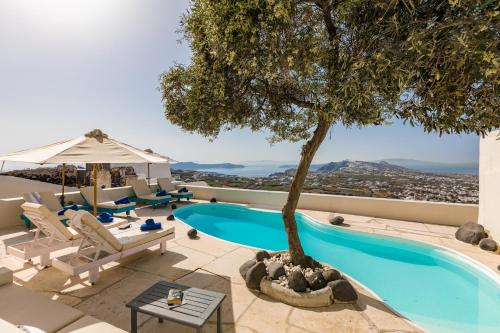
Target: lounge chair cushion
(22,306)
(133,240)
(89,324)
(166,184)
(50,200)
(6,327)
(98,228)
(153,197)
(49,218)
(140,187)
(103,199)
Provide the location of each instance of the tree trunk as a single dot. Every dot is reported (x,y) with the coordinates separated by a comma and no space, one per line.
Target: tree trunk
(308,151)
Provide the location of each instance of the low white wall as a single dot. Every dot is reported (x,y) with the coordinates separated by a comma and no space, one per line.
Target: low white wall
(489,184)
(418,211)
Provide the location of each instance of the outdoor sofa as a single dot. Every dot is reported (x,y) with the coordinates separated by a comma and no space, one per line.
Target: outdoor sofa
(22,306)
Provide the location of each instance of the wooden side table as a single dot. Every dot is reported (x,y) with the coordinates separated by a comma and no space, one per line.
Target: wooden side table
(197,306)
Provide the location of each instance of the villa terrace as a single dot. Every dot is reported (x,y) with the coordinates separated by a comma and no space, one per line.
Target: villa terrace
(213,264)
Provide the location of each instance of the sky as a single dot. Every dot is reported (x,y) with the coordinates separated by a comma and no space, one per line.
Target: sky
(69,66)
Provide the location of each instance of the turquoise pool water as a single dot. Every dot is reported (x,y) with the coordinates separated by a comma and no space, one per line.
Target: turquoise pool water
(435,288)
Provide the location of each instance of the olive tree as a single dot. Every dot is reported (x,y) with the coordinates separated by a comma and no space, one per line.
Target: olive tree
(295,68)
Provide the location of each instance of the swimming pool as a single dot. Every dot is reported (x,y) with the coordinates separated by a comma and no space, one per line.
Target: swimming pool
(436,288)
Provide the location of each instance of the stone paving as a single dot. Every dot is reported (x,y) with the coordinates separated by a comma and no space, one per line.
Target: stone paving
(213,264)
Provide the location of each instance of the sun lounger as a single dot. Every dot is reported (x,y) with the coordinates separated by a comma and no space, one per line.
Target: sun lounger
(144,194)
(50,235)
(99,246)
(49,200)
(166,185)
(104,203)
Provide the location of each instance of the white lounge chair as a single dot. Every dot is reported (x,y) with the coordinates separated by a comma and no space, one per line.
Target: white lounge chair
(49,200)
(51,235)
(167,185)
(100,247)
(104,202)
(144,194)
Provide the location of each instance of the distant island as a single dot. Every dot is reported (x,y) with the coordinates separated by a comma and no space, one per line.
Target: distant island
(204,166)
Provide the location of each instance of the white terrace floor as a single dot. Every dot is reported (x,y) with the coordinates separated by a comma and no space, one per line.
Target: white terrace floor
(213,264)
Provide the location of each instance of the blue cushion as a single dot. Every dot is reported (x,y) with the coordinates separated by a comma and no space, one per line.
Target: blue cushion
(161,193)
(105,218)
(150,226)
(122,201)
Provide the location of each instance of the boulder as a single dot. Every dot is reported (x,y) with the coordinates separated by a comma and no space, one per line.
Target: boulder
(246,266)
(170,217)
(316,281)
(297,282)
(192,233)
(331,275)
(488,244)
(276,269)
(337,220)
(213,200)
(174,206)
(255,274)
(471,233)
(343,291)
(310,262)
(261,255)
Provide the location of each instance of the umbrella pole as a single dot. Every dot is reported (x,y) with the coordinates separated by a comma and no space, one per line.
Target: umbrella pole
(63,178)
(149,178)
(94,175)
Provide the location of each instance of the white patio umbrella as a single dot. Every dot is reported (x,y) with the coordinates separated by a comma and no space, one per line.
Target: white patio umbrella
(94,147)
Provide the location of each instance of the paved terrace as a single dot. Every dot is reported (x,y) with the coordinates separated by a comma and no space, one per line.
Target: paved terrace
(213,264)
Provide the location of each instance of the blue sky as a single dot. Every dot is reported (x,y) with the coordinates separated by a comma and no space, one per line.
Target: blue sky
(68,66)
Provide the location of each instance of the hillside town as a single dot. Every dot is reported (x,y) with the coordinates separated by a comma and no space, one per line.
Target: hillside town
(357,178)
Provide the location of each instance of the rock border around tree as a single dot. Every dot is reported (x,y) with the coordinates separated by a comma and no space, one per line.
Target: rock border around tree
(274,276)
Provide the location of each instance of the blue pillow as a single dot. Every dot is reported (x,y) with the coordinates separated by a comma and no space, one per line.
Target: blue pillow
(122,201)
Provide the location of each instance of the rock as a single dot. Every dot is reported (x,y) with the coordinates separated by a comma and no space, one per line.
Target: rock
(192,233)
(337,220)
(471,233)
(246,266)
(261,255)
(316,281)
(213,200)
(310,262)
(343,291)
(174,206)
(331,275)
(297,281)
(488,244)
(276,269)
(170,217)
(255,274)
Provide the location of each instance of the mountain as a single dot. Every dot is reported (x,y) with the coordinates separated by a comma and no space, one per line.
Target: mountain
(436,167)
(348,165)
(204,166)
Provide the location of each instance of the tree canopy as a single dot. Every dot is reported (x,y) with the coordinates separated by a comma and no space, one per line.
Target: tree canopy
(283,65)
(297,67)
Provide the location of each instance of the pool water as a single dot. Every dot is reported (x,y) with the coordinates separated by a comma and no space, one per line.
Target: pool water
(435,288)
